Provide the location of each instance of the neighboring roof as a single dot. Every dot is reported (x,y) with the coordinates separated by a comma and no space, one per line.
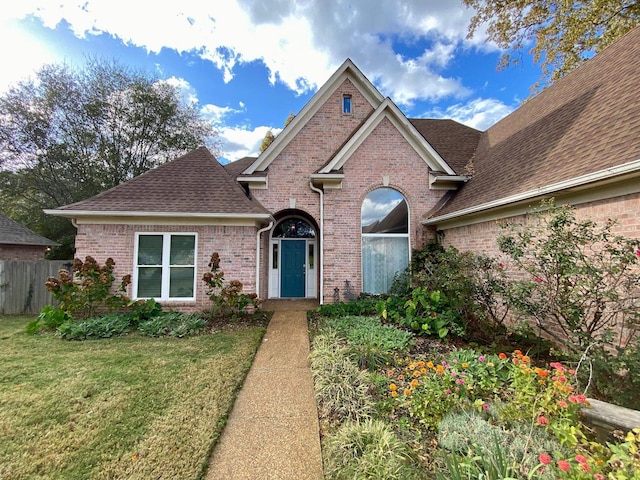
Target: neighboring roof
(12,233)
(576,130)
(195,183)
(454,142)
(237,167)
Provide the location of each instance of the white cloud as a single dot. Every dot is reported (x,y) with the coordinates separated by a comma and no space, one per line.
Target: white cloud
(238,142)
(301,43)
(479,113)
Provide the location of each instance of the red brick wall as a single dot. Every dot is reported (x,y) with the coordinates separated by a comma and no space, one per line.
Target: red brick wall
(481,237)
(236,246)
(22,252)
(384,153)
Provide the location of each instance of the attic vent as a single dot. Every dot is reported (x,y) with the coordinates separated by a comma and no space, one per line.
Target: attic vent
(346,104)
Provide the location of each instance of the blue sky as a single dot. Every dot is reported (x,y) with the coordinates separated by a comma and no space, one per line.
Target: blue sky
(248,64)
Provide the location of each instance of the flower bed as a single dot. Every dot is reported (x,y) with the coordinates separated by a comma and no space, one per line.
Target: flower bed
(461,414)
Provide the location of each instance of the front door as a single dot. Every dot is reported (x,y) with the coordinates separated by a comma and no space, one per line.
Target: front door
(293,268)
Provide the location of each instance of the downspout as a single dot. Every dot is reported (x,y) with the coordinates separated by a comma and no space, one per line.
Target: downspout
(321,292)
(268,227)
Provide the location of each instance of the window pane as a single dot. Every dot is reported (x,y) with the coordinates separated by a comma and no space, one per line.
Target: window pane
(384,211)
(149,282)
(182,249)
(346,104)
(181,282)
(274,260)
(150,250)
(382,258)
(293,228)
(311,259)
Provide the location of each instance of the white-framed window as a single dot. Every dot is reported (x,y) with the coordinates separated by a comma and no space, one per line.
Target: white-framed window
(165,266)
(385,239)
(346,104)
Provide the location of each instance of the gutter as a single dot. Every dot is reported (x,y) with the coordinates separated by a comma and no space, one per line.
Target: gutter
(321,287)
(262,230)
(582,180)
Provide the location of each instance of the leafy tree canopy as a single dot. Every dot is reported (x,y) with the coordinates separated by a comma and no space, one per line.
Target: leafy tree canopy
(564,33)
(70,133)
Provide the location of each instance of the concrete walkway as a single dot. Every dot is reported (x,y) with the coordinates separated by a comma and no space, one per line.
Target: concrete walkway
(272,432)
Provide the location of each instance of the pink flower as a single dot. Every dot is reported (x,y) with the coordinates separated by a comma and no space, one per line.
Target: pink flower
(460,381)
(447,391)
(538,280)
(599,476)
(544,459)
(562,403)
(485,406)
(573,399)
(581,398)
(481,358)
(581,459)
(638,253)
(564,465)
(557,366)
(501,265)
(542,420)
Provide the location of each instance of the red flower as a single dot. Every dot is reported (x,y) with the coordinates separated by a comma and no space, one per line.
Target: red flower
(544,459)
(542,420)
(564,465)
(538,280)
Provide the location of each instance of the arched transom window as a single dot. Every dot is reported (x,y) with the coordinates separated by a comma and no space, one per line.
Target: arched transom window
(385,239)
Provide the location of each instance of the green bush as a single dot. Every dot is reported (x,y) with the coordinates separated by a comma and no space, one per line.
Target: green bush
(173,324)
(341,388)
(359,306)
(50,318)
(367,450)
(370,342)
(105,326)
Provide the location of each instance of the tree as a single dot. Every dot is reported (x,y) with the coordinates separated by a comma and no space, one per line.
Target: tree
(71,133)
(565,33)
(269,137)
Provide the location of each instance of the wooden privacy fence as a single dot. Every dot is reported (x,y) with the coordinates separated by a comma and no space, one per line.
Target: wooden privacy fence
(22,282)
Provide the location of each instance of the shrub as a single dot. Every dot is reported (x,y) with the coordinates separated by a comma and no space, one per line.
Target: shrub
(173,324)
(227,299)
(581,279)
(50,318)
(370,342)
(87,289)
(341,388)
(428,313)
(105,326)
(358,306)
(367,450)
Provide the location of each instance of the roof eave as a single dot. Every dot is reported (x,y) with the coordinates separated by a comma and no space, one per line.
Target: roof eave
(608,174)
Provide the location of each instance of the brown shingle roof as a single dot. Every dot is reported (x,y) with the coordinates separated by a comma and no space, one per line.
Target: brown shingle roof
(586,122)
(236,168)
(193,183)
(453,141)
(13,233)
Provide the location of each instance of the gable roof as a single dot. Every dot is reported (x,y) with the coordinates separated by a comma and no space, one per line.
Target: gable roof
(455,143)
(347,70)
(236,168)
(584,128)
(387,109)
(13,233)
(194,185)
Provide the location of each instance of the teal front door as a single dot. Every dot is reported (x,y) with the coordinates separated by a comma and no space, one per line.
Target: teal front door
(292,277)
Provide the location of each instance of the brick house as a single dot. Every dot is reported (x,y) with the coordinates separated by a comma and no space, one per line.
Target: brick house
(340,198)
(17,242)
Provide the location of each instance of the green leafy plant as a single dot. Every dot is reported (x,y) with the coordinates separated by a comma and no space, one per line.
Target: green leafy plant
(369,450)
(50,318)
(341,388)
(104,326)
(173,324)
(370,342)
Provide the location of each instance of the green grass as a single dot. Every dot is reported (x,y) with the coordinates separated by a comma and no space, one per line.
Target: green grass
(129,407)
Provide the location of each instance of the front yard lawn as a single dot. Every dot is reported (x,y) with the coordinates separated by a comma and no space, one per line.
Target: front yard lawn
(124,407)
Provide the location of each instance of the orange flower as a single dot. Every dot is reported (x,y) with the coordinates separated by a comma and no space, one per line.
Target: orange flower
(416,373)
(517,353)
(526,359)
(414,383)
(439,369)
(400,377)
(407,392)
(394,394)
(393,387)
(502,356)
(430,364)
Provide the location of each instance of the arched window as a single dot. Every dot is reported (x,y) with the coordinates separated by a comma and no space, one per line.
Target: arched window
(385,239)
(293,228)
